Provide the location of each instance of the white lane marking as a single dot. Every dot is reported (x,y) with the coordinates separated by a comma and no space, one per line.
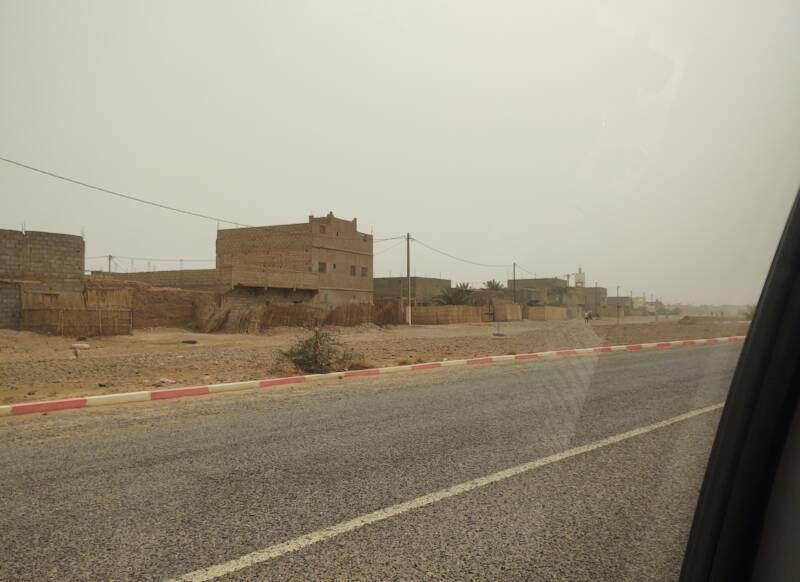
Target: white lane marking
(327,533)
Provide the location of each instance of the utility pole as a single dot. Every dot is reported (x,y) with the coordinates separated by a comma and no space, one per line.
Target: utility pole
(109,263)
(408,276)
(595,299)
(618,305)
(514,283)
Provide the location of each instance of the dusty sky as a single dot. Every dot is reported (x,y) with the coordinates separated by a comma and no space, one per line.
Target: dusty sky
(657,145)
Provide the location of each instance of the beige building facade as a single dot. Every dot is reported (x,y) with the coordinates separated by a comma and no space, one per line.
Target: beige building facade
(325,260)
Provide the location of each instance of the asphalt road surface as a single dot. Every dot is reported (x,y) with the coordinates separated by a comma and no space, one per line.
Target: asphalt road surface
(160,490)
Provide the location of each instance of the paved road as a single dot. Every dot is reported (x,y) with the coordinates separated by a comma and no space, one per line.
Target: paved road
(158,490)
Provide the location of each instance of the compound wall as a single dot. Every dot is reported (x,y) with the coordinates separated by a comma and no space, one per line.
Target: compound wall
(40,255)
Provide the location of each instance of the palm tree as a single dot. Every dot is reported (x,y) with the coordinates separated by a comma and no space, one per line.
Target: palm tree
(493,285)
(458,295)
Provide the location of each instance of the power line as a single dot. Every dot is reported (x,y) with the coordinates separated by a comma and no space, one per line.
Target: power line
(394,246)
(458,258)
(120,194)
(526,270)
(158,204)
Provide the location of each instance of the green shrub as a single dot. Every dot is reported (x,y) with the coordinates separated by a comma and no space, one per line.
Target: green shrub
(321,353)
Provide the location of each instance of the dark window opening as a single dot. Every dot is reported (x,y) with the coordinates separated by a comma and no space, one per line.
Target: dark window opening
(352,270)
(364,271)
(324,267)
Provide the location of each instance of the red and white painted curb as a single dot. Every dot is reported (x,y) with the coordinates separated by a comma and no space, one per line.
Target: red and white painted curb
(161,394)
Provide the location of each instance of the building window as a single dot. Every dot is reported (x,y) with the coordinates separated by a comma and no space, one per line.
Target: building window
(364,271)
(352,270)
(334,266)
(322,229)
(322,267)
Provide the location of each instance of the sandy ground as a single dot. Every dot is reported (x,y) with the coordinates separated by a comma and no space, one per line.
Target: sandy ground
(37,367)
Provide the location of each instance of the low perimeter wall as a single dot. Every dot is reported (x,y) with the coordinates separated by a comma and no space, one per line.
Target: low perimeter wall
(440,314)
(611,312)
(507,312)
(545,313)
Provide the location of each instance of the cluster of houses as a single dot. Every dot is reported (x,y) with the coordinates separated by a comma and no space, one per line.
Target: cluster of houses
(325,262)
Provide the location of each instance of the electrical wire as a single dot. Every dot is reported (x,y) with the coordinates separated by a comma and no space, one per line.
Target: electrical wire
(394,246)
(158,204)
(120,194)
(458,258)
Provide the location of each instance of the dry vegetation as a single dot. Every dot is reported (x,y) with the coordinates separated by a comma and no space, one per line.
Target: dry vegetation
(37,367)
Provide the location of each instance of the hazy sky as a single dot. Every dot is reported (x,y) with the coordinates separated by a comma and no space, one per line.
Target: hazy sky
(657,145)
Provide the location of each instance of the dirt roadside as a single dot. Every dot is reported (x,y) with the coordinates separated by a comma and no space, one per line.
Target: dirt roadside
(37,367)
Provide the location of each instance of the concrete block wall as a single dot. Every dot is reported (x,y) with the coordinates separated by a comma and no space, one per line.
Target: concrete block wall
(327,254)
(344,270)
(507,312)
(592,298)
(609,311)
(540,283)
(343,296)
(280,248)
(545,313)
(40,255)
(10,305)
(446,314)
(196,279)
(347,255)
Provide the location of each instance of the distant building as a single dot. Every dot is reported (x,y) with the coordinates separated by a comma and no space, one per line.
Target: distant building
(539,283)
(593,299)
(624,302)
(580,278)
(423,289)
(540,291)
(325,260)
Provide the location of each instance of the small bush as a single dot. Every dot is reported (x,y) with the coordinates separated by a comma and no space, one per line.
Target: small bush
(321,353)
